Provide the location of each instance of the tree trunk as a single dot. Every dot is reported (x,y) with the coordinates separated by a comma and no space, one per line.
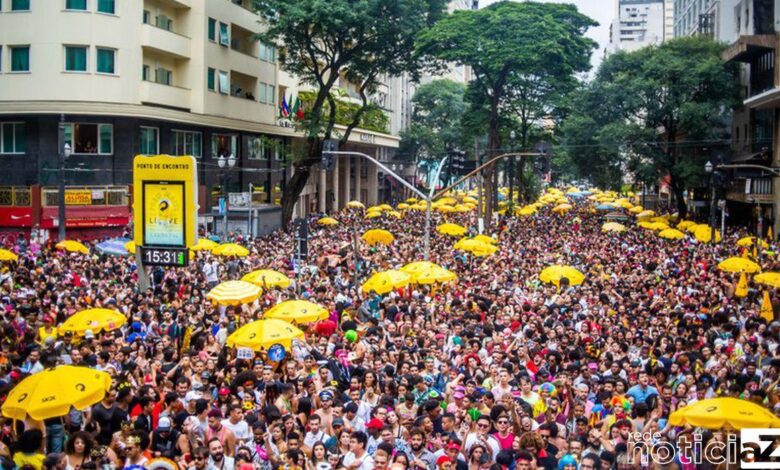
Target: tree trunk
(292,190)
(494,149)
(682,208)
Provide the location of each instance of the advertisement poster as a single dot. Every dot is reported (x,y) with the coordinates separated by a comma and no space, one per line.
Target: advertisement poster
(164,213)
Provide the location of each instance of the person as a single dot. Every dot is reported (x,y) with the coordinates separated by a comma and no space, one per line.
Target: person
(29,450)
(78,449)
(217,458)
(200,459)
(357,458)
(134,452)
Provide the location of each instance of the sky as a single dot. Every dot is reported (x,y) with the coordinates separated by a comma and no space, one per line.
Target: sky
(603,11)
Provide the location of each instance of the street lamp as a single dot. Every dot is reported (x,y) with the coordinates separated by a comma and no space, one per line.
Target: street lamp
(511,203)
(709,169)
(65,151)
(228,162)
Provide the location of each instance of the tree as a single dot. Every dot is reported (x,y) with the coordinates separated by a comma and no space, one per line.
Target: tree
(652,108)
(436,120)
(507,45)
(322,41)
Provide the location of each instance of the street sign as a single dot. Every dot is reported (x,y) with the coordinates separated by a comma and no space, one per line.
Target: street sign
(239,200)
(328,145)
(222,205)
(301,240)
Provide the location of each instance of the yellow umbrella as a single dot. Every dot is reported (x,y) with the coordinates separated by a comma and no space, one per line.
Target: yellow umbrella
(373,214)
(203,244)
(749,241)
(703,233)
(356,205)
(553,275)
(53,392)
(725,412)
(739,265)
(403,206)
(613,227)
(646,213)
(770,279)
(742,286)
(385,281)
(267,278)
(447,200)
(297,311)
(445,208)
(93,319)
(527,210)
(671,234)
(562,208)
(230,249)
(453,230)
(378,236)
(425,272)
(411,200)
(685,224)
(374,209)
(636,210)
(234,293)
(263,334)
(475,247)
(485,239)
(328,221)
(6,255)
(470,199)
(130,247)
(386,207)
(395,214)
(767,310)
(72,246)
(694,227)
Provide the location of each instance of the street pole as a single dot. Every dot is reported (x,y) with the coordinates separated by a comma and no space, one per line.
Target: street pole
(511,203)
(480,182)
(249,214)
(429,199)
(722,206)
(61,187)
(225,213)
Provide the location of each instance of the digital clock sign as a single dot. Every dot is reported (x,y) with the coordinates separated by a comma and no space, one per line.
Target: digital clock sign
(164,256)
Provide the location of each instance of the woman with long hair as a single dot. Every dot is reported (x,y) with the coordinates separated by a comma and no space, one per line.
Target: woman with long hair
(319,458)
(78,450)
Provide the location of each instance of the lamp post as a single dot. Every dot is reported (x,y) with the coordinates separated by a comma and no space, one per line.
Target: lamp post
(64,153)
(709,169)
(225,165)
(511,203)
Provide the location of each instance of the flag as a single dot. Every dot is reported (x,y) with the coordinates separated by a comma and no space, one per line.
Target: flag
(294,112)
(284,110)
(742,286)
(299,114)
(755,251)
(767,313)
(769,234)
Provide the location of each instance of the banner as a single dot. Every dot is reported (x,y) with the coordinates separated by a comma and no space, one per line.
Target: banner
(78,197)
(164,213)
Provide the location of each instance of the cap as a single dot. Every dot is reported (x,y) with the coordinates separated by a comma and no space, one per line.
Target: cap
(338,422)
(453,445)
(89,334)
(374,423)
(458,395)
(442,460)
(326,395)
(224,391)
(164,424)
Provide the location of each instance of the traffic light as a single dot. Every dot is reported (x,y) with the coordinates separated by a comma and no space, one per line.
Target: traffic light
(327,159)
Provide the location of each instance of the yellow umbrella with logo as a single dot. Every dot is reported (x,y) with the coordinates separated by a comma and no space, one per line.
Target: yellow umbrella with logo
(262,334)
(53,392)
(378,236)
(234,293)
(230,249)
(770,279)
(453,230)
(386,281)
(475,247)
(425,272)
(297,311)
(328,221)
(203,244)
(553,275)
(7,255)
(671,234)
(72,246)
(93,319)
(724,412)
(739,265)
(267,278)
(613,227)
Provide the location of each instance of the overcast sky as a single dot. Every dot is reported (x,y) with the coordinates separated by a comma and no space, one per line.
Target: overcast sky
(602,11)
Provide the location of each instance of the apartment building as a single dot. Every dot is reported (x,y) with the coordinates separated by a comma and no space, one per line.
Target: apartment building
(180,77)
(638,23)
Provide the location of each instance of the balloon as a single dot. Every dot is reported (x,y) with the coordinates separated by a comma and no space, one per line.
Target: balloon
(351,336)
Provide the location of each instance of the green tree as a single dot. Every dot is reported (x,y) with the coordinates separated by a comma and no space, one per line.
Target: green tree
(651,109)
(436,121)
(509,45)
(322,41)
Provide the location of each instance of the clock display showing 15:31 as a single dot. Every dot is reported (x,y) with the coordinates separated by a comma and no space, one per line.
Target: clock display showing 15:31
(152,256)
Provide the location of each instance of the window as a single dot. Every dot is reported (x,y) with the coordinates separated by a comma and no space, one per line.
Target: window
(90,138)
(105,60)
(271,54)
(20,58)
(163,76)
(256,148)
(76,5)
(163,22)
(187,143)
(263,92)
(212,29)
(271,96)
(147,18)
(224,145)
(224,35)
(211,79)
(224,82)
(278,151)
(106,6)
(75,58)
(146,72)
(150,141)
(20,5)
(12,137)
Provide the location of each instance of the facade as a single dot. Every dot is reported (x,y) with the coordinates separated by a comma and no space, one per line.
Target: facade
(638,23)
(144,77)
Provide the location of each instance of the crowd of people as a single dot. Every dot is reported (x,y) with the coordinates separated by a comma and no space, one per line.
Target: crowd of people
(494,371)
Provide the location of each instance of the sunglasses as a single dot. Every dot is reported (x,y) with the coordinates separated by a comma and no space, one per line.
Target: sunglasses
(199,459)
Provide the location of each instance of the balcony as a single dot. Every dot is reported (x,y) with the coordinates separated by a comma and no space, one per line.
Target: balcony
(165,95)
(165,42)
(750,190)
(748,47)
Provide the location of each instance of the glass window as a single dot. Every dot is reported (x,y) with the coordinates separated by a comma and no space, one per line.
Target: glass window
(224,145)
(163,76)
(147,18)
(211,79)
(271,54)
(224,35)
(263,92)
(105,60)
(75,59)
(224,82)
(90,138)
(271,96)
(75,4)
(13,139)
(212,29)
(256,148)
(150,141)
(20,58)
(263,50)
(106,6)
(19,5)
(187,143)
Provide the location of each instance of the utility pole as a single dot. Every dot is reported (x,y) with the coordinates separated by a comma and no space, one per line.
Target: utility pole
(478,159)
(63,150)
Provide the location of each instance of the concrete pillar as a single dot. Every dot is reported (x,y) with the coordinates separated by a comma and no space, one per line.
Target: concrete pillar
(335,184)
(322,189)
(776,164)
(347,180)
(373,183)
(358,179)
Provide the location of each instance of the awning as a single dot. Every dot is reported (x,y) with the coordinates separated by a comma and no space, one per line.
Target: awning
(766,100)
(748,47)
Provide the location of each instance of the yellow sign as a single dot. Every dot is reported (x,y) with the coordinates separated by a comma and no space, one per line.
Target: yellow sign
(165,195)
(78,197)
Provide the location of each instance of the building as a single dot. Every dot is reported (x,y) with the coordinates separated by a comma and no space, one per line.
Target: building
(144,77)
(638,23)
(668,19)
